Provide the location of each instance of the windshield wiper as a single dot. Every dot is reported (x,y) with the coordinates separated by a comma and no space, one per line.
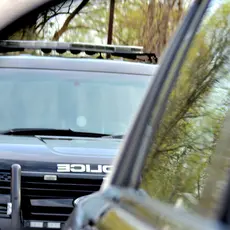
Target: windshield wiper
(50,132)
(113,136)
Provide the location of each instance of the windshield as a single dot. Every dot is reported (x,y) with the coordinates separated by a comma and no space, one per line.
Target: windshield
(82,101)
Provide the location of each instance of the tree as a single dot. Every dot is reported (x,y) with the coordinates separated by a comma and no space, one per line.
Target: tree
(162,19)
(136,22)
(188,133)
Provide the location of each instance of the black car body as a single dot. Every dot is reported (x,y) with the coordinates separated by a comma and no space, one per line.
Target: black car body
(58,165)
(52,173)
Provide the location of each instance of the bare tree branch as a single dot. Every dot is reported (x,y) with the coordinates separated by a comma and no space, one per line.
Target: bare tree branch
(62,30)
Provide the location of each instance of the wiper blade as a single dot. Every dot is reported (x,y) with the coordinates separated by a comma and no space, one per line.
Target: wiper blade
(113,136)
(50,132)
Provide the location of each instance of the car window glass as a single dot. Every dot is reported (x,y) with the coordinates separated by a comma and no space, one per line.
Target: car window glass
(176,167)
(68,99)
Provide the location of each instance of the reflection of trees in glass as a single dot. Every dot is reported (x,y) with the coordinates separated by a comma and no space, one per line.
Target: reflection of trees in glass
(190,128)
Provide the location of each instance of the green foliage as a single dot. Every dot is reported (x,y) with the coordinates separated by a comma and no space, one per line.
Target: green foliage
(190,128)
(91,25)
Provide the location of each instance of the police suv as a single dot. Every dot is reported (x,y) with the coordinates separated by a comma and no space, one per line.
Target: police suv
(62,121)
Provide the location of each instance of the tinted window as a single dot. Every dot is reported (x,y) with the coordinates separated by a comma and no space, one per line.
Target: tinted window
(176,168)
(83,101)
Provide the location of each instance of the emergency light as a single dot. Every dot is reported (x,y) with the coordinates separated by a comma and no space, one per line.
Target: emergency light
(66,46)
(130,52)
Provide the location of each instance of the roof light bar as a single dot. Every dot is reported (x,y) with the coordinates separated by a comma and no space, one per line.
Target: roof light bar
(129,52)
(61,47)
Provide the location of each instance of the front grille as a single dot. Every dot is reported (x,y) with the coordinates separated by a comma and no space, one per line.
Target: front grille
(53,200)
(37,187)
(3,209)
(46,200)
(5,178)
